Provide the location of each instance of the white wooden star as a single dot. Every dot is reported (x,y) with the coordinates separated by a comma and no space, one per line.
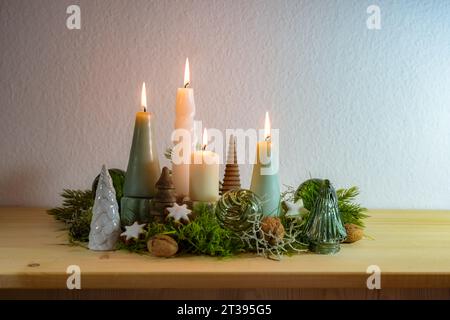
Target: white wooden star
(295,208)
(178,212)
(133,231)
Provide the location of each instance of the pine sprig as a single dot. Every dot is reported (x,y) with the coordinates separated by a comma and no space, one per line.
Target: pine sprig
(348,194)
(351,212)
(74,201)
(76,213)
(80,225)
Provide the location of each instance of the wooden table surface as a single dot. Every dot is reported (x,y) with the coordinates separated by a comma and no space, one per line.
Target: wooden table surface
(412,249)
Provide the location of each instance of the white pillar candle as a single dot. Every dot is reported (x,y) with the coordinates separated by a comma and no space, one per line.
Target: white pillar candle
(204,174)
(185,111)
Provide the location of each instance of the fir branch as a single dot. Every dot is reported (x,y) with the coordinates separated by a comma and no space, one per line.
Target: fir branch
(76,213)
(351,212)
(348,194)
(74,201)
(80,225)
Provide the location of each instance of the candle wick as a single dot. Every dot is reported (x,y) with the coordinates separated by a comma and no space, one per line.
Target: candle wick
(268,139)
(204,147)
(187,84)
(145,109)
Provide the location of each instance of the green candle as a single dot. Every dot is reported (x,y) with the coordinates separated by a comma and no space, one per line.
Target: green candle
(265,181)
(143,168)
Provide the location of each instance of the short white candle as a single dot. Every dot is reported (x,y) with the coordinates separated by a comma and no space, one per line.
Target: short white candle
(204,174)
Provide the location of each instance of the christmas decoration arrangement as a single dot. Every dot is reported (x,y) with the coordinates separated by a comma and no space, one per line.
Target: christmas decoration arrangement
(187,210)
(234,225)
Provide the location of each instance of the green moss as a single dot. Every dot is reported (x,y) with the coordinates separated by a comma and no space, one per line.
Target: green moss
(203,235)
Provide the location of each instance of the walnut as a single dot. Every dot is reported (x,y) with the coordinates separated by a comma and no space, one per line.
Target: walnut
(273,230)
(162,245)
(354,233)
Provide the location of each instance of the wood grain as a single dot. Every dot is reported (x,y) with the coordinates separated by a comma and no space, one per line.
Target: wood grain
(226,294)
(412,248)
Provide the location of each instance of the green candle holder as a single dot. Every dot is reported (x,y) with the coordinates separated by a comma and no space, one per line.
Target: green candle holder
(138,209)
(265,181)
(267,187)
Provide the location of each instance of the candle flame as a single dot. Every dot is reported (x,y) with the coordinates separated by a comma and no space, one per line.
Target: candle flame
(144,97)
(187,74)
(267,127)
(205,138)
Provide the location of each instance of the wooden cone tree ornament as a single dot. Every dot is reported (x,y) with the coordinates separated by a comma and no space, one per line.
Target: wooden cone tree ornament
(165,194)
(231,179)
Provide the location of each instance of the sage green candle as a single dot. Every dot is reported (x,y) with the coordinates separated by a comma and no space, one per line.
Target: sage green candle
(265,181)
(143,166)
(142,172)
(266,186)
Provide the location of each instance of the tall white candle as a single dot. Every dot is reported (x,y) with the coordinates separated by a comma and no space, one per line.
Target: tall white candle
(185,111)
(204,174)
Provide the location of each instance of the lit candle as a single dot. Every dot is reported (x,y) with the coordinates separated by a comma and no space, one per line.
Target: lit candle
(143,168)
(265,182)
(204,174)
(185,111)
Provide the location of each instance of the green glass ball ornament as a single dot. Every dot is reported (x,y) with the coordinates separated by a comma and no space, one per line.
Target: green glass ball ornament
(308,192)
(235,208)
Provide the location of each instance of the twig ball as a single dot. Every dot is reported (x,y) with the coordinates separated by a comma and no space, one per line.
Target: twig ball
(273,229)
(235,207)
(162,245)
(354,233)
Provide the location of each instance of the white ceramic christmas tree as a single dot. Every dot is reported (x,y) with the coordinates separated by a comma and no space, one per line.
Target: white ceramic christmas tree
(105,224)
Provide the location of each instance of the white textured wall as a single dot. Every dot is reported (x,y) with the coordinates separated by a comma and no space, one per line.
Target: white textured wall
(370,108)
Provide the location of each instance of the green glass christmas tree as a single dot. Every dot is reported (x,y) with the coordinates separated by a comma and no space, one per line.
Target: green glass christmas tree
(324,229)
